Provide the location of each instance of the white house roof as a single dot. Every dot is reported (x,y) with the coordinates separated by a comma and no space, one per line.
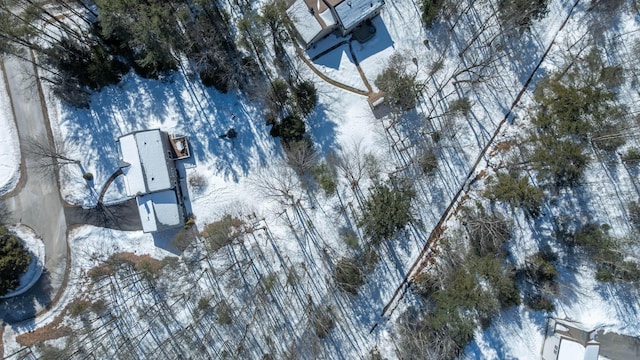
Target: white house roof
(147,170)
(304,21)
(353,12)
(159,210)
(570,350)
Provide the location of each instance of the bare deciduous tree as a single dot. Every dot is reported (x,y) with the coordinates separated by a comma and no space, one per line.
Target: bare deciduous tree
(301,156)
(48,156)
(281,185)
(352,163)
(487,231)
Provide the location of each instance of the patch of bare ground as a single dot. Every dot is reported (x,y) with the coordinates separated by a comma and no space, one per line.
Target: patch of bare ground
(53,330)
(139,262)
(1,342)
(504,146)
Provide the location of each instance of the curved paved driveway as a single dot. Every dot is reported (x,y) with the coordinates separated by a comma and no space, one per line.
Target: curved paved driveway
(36,201)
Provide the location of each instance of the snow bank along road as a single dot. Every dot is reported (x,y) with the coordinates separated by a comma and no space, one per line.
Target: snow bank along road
(36,202)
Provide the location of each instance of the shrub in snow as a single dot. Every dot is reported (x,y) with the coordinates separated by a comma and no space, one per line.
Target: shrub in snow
(322,320)
(634,213)
(539,302)
(325,176)
(305,96)
(560,163)
(500,279)
(78,306)
(197,183)
(607,254)
(88,176)
(460,107)
(184,238)
(348,275)
(301,155)
(520,14)
(290,129)
(541,271)
(222,232)
(203,304)
(631,157)
(269,281)
(387,210)
(224,313)
(426,334)
(517,192)
(398,85)
(370,257)
(430,9)
(349,237)
(428,160)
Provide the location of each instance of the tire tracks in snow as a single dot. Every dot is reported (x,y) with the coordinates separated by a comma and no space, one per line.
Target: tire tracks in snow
(427,251)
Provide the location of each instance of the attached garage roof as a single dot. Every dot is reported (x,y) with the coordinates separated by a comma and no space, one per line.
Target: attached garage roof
(159,211)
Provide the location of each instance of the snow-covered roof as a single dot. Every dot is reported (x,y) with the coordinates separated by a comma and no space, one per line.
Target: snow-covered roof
(146,169)
(305,22)
(159,211)
(568,341)
(353,12)
(573,350)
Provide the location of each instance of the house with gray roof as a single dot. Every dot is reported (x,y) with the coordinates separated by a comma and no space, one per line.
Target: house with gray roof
(315,19)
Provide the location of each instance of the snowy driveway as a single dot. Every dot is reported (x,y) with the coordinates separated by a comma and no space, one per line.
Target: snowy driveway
(36,202)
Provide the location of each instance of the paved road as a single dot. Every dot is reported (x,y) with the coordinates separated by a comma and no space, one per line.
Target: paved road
(618,347)
(122,216)
(37,203)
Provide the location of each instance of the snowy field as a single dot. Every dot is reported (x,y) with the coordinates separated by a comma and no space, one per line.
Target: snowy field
(275,282)
(10,149)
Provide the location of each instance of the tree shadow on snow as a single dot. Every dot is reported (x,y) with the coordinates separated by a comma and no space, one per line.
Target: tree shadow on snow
(25,307)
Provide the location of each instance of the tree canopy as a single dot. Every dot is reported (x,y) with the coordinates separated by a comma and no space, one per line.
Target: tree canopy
(14,260)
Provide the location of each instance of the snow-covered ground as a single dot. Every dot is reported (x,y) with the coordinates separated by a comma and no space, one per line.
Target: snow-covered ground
(244,176)
(10,149)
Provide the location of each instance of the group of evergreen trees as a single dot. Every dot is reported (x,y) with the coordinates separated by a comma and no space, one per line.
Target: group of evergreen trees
(101,40)
(14,260)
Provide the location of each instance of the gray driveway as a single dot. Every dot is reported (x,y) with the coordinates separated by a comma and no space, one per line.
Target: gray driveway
(36,202)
